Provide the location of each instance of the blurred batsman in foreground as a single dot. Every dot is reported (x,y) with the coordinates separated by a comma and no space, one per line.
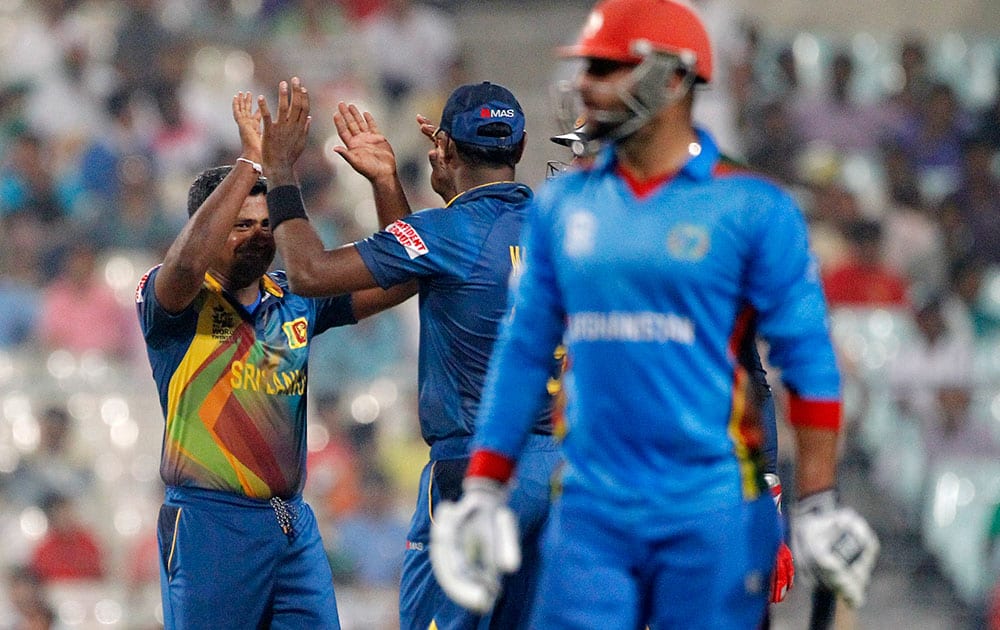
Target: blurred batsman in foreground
(461,255)
(584,151)
(653,266)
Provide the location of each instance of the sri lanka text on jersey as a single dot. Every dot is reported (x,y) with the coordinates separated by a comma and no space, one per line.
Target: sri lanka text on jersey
(250,377)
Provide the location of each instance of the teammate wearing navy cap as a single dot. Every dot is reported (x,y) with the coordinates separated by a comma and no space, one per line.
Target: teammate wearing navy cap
(654,266)
(462,255)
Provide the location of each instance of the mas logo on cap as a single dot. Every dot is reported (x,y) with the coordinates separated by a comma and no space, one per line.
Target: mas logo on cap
(483,114)
(486,112)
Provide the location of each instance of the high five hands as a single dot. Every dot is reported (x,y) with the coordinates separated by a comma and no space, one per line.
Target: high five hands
(285,134)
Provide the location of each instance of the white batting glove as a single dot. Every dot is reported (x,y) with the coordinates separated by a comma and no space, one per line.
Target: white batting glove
(834,544)
(473,543)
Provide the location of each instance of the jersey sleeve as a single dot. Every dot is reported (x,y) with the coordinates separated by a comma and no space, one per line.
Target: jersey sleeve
(784,286)
(155,322)
(332,312)
(416,247)
(515,390)
(328,312)
(750,358)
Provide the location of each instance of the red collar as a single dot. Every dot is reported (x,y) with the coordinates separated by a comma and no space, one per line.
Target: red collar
(643,188)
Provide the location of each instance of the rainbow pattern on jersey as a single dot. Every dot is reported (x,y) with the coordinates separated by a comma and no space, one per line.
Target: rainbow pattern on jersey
(233,394)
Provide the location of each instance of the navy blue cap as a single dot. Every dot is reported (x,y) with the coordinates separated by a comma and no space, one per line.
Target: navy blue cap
(471,107)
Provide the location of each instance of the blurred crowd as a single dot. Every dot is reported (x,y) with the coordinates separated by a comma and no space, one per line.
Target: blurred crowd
(109,109)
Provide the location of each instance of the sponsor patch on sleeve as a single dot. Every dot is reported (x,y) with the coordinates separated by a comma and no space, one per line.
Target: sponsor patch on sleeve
(139,289)
(408,238)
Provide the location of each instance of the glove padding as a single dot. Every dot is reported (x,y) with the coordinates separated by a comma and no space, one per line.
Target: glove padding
(473,543)
(783,575)
(835,545)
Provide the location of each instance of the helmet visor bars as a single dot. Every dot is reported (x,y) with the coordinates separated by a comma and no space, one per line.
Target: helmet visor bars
(644,91)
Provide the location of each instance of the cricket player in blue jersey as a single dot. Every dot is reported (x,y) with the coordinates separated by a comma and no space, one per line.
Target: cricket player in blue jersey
(228,345)
(653,266)
(761,401)
(462,255)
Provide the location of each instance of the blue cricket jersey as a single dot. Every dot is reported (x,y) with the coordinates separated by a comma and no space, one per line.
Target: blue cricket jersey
(463,255)
(232,384)
(653,297)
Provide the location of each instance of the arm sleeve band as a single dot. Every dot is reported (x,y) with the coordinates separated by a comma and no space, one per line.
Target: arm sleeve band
(816,414)
(284,203)
(490,464)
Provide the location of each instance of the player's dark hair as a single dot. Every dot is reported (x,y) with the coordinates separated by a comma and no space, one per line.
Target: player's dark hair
(208,180)
(477,156)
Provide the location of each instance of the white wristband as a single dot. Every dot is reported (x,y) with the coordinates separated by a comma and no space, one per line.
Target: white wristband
(257,167)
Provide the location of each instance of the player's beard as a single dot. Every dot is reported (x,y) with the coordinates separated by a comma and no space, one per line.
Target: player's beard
(251,260)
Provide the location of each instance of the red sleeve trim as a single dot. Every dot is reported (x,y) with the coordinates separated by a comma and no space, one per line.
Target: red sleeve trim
(490,464)
(816,414)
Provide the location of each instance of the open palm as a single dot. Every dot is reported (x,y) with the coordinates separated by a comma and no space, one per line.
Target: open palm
(365,148)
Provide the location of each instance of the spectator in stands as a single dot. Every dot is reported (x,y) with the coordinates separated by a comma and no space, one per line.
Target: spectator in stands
(28,185)
(916,81)
(836,118)
(333,471)
(313,34)
(65,101)
(13,117)
(966,278)
(931,139)
(399,33)
(109,156)
(371,349)
(864,279)
(20,295)
(69,550)
(141,43)
(974,208)
(830,209)
(787,82)
(404,31)
(988,122)
(369,537)
(80,311)
(913,239)
(181,143)
(59,465)
(41,617)
(940,349)
(141,222)
(26,595)
(953,429)
(773,149)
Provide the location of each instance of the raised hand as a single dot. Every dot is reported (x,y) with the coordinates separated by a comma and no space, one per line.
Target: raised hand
(365,148)
(426,126)
(285,134)
(248,122)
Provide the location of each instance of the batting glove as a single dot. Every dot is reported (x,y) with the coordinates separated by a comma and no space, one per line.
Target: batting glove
(783,575)
(473,543)
(835,545)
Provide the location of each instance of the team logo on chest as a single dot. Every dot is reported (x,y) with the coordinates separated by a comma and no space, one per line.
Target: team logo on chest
(688,242)
(581,227)
(223,323)
(297,332)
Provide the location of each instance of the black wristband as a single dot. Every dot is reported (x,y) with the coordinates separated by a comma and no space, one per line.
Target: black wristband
(284,203)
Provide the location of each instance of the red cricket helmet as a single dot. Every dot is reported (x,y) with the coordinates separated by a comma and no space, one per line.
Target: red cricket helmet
(616,30)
